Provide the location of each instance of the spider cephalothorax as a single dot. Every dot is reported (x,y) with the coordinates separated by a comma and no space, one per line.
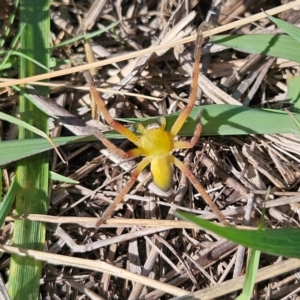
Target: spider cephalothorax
(156,144)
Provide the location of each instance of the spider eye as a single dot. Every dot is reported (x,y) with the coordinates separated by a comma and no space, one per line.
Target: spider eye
(162,172)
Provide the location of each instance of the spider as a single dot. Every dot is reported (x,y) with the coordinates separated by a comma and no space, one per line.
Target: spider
(156,145)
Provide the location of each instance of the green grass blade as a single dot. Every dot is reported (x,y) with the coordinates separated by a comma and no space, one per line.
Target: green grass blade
(217,120)
(252,267)
(283,241)
(33,172)
(8,24)
(61,178)
(297,123)
(290,29)
(31,128)
(13,44)
(22,55)
(17,149)
(253,260)
(225,119)
(25,125)
(293,84)
(19,54)
(265,44)
(6,204)
(86,36)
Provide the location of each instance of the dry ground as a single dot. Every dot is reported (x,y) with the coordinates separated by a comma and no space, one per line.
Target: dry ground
(235,170)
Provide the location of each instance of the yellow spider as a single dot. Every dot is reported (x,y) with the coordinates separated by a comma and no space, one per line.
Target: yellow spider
(156,145)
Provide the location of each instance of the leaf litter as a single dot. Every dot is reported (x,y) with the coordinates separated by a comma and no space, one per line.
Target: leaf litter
(235,170)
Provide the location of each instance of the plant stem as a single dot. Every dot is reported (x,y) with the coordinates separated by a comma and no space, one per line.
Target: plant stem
(33,172)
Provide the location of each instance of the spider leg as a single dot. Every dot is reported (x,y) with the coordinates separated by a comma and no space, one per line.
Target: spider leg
(195,138)
(107,213)
(113,123)
(199,188)
(108,144)
(194,86)
(134,153)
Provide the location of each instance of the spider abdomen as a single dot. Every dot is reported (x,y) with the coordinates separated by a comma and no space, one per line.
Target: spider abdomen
(162,172)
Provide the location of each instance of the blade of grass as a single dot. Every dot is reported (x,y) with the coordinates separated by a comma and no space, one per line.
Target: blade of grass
(290,29)
(61,178)
(31,128)
(265,44)
(17,149)
(13,45)
(217,120)
(253,260)
(19,54)
(6,204)
(225,119)
(293,83)
(33,172)
(86,36)
(282,241)
(297,123)
(252,267)
(8,24)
